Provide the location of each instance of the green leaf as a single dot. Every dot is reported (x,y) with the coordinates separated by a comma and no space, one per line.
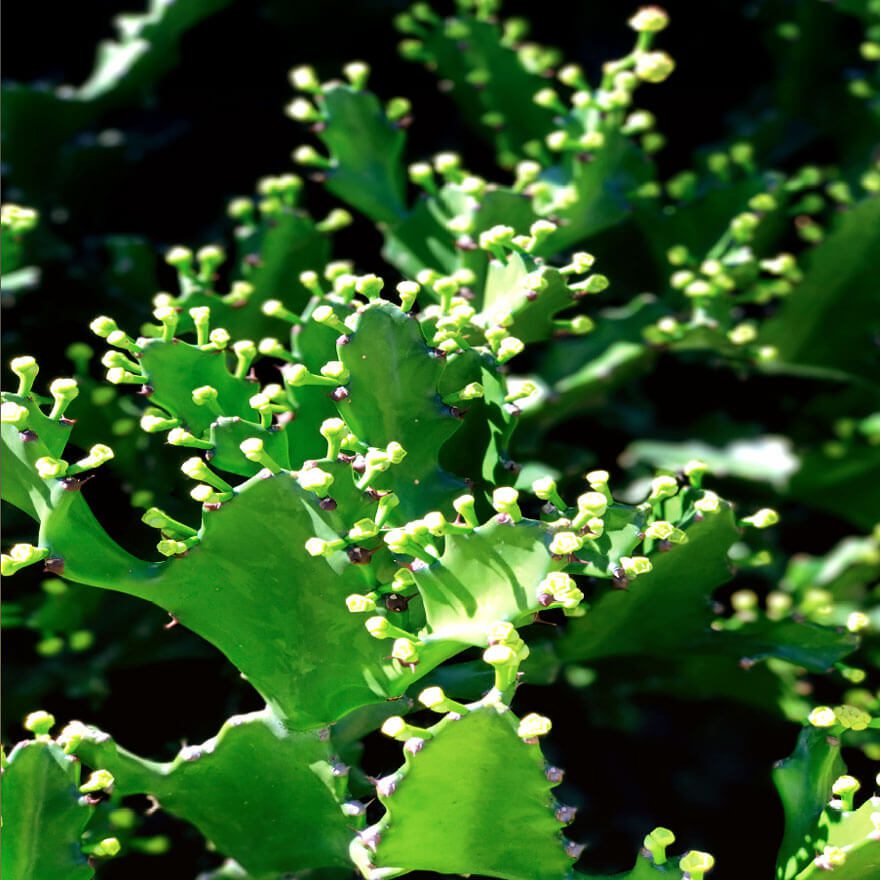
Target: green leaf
(393,396)
(147,46)
(21,485)
(803,781)
(43,818)
(172,367)
(484,577)
(366,149)
(508,88)
(473,778)
(262,794)
(669,610)
(813,325)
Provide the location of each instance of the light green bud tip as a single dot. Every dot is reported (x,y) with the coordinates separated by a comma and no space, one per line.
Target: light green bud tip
(194,468)
(565,543)
(594,503)
(363,529)
(822,716)
(394,726)
(544,488)
(504,498)
(369,285)
(39,722)
(315,480)
(14,414)
(709,503)
(395,452)
(762,519)
(72,735)
(103,326)
(179,257)
(405,651)
(696,863)
(654,67)
(432,697)
(656,843)
(50,468)
(662,487)
(204,395)
(857,621)
(533,726)
(852,718)
(665,531)
(252,448)
(377,627)
(508,348)
(107,848)
(499,655)
(845,785)
(649,19)
(635,565)
(357,604)
(100,780)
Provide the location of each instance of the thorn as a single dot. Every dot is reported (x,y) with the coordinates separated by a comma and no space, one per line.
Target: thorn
(554,774)
(171,623)
(414,745)
(359,555)
(154,807)
(565,814)
(27,436)
(54,565)
(386,786)
(145,390)
(396,602)
(574,850)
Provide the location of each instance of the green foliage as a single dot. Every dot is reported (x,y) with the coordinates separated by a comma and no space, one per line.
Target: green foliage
(397,479)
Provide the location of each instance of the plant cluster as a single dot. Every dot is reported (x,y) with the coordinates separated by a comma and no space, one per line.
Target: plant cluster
(387,493)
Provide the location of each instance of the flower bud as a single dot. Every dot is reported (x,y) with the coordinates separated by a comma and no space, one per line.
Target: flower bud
(565,544)
(649,19)
(654,67)
(533,726)
(100,780)
(39,722)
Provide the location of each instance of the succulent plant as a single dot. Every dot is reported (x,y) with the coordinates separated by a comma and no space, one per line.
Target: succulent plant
(382,517)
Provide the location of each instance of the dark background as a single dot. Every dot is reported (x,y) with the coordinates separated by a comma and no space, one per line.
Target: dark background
(214,125)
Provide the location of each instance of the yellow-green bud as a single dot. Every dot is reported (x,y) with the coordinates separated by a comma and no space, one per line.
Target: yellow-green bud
(649,19)
(533,726)
(39,722)
(654,67)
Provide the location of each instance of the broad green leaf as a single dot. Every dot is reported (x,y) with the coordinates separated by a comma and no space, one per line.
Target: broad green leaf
(43,818)
(262,794)
(444,817)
